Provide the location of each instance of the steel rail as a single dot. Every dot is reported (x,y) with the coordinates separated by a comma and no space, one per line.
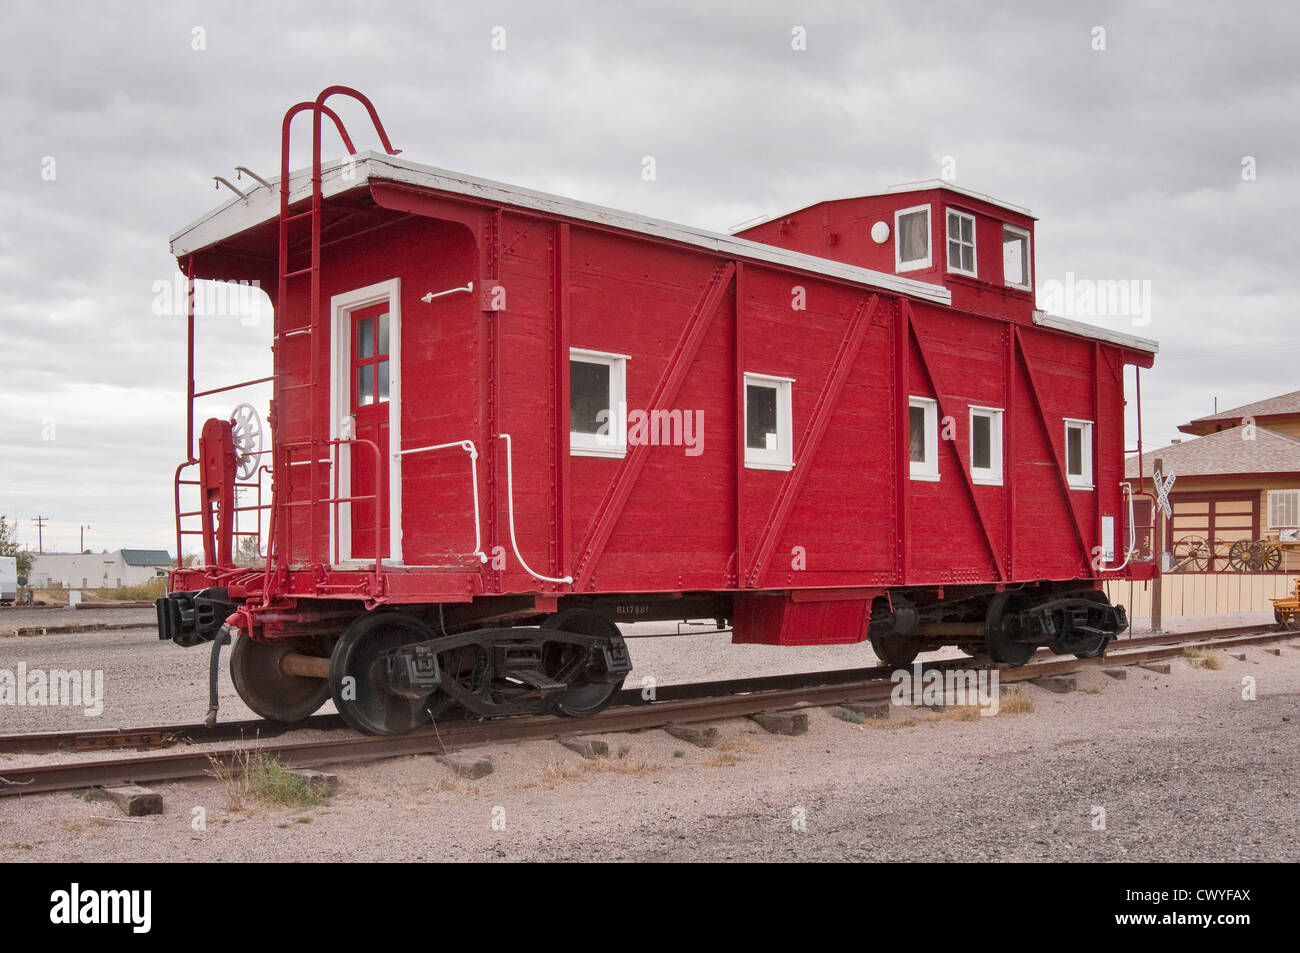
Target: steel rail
(112,739)
(446,736)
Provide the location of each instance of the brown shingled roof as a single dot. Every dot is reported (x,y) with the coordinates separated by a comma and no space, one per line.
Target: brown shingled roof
(1225,452)
(1281,404)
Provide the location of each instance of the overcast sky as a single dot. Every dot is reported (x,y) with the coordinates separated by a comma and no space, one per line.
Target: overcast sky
(1133,157)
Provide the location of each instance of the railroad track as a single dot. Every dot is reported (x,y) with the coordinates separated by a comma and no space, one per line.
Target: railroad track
(693,702)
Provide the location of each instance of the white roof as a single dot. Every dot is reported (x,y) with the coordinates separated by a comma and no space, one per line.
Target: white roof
(929,184)
(1043,319)
(263,204)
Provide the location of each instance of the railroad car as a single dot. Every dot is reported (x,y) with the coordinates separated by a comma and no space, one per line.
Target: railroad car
(504,422)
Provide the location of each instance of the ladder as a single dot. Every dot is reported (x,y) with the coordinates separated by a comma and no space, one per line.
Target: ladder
(313,328)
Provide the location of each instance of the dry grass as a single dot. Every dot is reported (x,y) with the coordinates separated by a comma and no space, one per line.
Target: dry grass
(891,724)
(1015,703)
(1202,658)
(962,713)
(450,785)
(254,776)
(144,592)
(556,773)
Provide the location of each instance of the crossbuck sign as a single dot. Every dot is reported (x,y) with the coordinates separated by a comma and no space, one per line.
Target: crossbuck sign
(1162,488)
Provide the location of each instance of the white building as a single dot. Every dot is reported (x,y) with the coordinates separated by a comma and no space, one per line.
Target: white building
(106,570)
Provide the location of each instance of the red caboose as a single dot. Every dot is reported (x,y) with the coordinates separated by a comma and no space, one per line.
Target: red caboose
(505,421)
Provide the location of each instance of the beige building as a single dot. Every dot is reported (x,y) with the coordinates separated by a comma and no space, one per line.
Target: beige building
(1238,482)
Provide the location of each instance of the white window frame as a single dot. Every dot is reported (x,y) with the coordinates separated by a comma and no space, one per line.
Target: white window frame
(341,308)
(927,469)
(1294,506)
(1029,257)
(782,458)
(919,263)
(974,245)
(1082,481)
(614,443)
(992,474)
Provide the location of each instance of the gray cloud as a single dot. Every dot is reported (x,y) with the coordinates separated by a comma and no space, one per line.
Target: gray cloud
(1130,157)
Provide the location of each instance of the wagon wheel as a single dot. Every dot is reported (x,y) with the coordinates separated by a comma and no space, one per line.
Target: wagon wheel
(1239,555)
(1272,557)
(1191,554)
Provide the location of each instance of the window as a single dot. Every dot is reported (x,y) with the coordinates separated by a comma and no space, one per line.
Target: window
(370,355)
(597,403)
(986,445)
(1015,258)
(923,437)
(769,429)
(1078,454)
(961,243)
(912,238)
(1283,509)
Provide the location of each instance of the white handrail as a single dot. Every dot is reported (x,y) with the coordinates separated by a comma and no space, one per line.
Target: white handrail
(468,447)
(510,499)
(1132,531)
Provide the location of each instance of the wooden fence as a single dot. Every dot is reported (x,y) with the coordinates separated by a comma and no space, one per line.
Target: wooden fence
(1219,593)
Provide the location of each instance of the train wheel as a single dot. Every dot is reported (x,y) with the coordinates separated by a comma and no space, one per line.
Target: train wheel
(358,679)
(1001,623)
(568,663)
(896,650)
(1094,648)
(255,670)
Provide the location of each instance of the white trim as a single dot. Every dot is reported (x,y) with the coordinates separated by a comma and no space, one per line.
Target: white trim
(930,184)
(341,308)
(1084,480)
(927,469)
(1029,257)
(1070,326)
(991,475)
(342,175)
(948,213)
(781,457)
(601,445)
(916,264)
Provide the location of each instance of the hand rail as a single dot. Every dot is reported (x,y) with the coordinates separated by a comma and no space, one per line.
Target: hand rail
(510,498)
(468,447)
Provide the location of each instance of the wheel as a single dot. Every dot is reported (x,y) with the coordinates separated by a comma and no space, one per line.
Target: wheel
(358,681)
(1191,554)
(1272,558)
(1239,555)
(255,670)
(1000,624)
(1097,647)
(568,663)
(897,650)
(1289,620)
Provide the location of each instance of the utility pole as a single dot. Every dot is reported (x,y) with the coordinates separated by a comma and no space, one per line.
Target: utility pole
(40,522)
(1158,552)
(83,539)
